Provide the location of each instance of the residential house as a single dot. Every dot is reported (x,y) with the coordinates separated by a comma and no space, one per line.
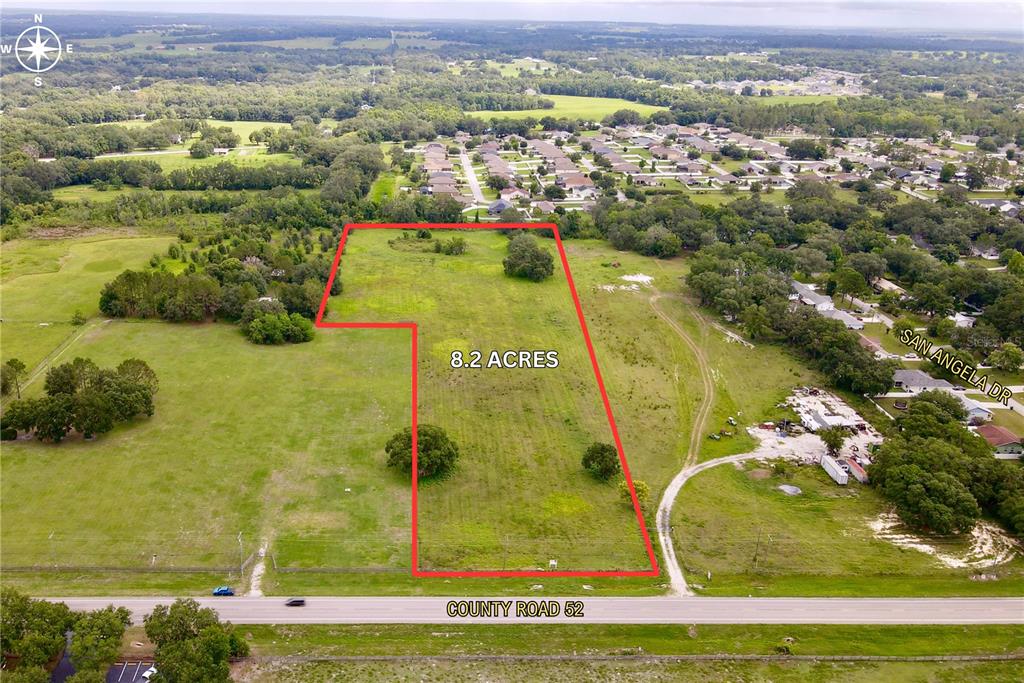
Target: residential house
(1007,445)
(914,381)
(513,193)
(806,295)
(497,206)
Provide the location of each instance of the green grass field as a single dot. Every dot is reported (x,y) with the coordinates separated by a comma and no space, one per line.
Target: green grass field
(519,496)
(220,456)
(817,543)
(677,672)
(655,639)
(242,157)
(265,441)
(236,445)
(43,284)
(591,108)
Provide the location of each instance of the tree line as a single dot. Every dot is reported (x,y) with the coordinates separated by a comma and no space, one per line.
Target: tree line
(83,397)
(192,644)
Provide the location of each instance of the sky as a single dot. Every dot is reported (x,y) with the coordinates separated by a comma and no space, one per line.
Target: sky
(950,15)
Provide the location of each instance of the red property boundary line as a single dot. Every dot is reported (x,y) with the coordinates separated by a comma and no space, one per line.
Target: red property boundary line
(413,329)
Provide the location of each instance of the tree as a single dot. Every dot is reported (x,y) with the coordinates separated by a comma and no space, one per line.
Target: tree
(93,413)
(279,328)
(933,500)
(69,378)
(601,460)
(139,372)
(54,417)
(871,266)
(87,676)
(802,148)
(931,299)
(755,321)
(526,259)
(13,372)
(200,149)
(974,178)
(1008,357)
(28,674)
(497,182)
(436,453)
(947,172)
(901,325)
(203,659)
(643,492)
(32,629)
(849,282)
(97,639)
(833,438)
(303,299)
(192,644)
(554,192)
(948,403)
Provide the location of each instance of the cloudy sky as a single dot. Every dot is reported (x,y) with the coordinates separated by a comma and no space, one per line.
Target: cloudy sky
(958,15)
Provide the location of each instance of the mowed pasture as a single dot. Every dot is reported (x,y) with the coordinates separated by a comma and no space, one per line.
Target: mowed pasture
(44,282)
(519,496)
(246,439)
(573,107)
(251,440)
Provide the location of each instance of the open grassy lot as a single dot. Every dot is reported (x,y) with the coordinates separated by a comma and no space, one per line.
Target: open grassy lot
(519,495)
(755,540)
(222,455)
(44,282)
(678,672)
(592,108)
(76,193)
(655,639)
(792,99)
(237,445)
(243,157)
(617,641)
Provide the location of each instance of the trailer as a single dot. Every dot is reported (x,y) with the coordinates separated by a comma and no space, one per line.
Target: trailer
(835,470)
(856,471)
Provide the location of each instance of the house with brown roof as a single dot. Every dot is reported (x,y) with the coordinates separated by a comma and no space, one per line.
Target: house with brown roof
(1007,445)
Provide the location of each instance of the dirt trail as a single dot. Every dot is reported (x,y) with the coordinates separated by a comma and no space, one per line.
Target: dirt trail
(40,369)
(663,519)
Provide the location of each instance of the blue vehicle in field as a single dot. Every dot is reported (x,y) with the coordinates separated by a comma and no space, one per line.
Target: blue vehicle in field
(223,591)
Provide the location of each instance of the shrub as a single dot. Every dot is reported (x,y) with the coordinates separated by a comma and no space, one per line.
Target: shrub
(526,259)
(279,328)
(601,460)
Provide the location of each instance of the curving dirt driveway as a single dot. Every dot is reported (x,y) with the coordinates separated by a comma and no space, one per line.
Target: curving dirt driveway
(663,519)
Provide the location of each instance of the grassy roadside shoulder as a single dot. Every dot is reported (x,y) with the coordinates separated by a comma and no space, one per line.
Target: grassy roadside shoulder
(608,639)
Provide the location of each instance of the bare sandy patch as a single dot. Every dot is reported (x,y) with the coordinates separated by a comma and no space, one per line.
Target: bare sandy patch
(990,546)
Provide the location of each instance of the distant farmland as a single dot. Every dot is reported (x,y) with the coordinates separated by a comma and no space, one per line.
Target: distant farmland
(594,108)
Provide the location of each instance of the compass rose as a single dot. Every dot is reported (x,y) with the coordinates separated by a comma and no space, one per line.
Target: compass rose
(34,47)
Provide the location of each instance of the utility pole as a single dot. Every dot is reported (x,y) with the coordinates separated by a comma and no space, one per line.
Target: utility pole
(241,553)
(757,546)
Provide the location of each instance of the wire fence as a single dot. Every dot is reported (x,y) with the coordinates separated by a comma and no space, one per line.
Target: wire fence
(101,554)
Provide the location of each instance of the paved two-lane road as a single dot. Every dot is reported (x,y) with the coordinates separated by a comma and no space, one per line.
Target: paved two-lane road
(653,610)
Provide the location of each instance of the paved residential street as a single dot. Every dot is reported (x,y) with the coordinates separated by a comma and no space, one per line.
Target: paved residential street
(627,610)
(474,184)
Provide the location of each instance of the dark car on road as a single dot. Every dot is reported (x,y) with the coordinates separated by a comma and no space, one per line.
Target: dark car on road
(295,602)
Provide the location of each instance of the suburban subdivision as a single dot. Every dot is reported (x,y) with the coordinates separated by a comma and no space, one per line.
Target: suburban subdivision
(653,342)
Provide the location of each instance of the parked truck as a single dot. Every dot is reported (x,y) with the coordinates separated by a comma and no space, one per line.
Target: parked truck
(835,470)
